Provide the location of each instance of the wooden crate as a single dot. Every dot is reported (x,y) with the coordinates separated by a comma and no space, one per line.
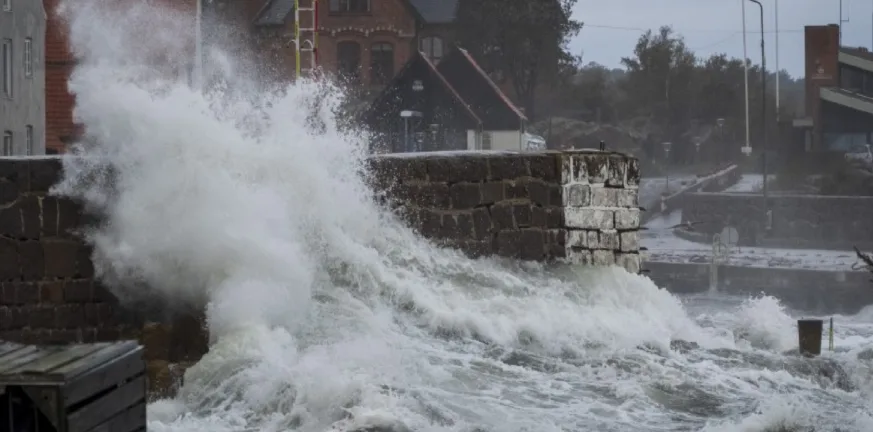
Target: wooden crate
(72,388)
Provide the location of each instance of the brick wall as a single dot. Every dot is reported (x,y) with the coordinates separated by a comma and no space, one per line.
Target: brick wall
(580,206)
(390,21)
(48,292)
(821,50)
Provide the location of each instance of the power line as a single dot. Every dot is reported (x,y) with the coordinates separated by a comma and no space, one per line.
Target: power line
(714,44)
(639,29)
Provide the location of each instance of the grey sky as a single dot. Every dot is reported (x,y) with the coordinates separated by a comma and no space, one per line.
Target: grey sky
(711,26)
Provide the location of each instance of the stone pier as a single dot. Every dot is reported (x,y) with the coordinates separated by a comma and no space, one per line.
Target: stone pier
(580,206)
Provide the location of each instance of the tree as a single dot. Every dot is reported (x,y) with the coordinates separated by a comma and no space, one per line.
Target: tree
(521,41)
(661,75)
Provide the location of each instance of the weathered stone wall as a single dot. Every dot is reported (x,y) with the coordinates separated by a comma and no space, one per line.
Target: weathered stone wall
(576,205)
(48,292)
(804,221)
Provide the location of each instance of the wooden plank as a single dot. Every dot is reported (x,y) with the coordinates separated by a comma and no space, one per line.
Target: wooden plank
(107,406)
(109,374)
(131,420)
(8,347)
(24,350)
(54,360)
(35,354)
(73,369)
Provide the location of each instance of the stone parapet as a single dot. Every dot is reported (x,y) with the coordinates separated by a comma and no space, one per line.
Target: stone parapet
(578,205)
(49,293)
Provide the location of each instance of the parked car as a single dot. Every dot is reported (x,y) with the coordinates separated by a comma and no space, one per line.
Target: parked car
(534,142)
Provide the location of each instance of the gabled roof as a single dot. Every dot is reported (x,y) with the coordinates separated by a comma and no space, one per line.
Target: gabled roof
(436,11)
(274,13)
(491,84)
(387,92)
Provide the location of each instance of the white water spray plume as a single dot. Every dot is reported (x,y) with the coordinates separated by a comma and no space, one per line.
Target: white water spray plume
(327,313)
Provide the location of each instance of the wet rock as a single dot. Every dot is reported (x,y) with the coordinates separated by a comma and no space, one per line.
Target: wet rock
(683,346)
(867,354)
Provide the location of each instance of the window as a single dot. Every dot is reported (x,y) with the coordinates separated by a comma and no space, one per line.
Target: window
(7,5)
(7,143)
(349,60)
(381,63)
(28,140)
(432,47)
(28,57)
(486,140)
(7,67)
(350,6)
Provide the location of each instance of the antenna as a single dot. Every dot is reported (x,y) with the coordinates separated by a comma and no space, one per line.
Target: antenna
(841,22)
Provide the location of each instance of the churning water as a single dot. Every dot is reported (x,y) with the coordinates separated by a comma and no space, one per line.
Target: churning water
(327,314)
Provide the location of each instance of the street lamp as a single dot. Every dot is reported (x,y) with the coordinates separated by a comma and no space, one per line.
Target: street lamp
(763,101)
(667,146)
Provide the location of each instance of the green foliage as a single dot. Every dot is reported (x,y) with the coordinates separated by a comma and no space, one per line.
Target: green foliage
(523,41)
(666,84)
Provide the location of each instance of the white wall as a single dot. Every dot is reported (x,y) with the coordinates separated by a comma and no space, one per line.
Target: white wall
(500,140)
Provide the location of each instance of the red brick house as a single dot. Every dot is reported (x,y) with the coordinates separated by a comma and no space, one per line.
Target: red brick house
(365,42)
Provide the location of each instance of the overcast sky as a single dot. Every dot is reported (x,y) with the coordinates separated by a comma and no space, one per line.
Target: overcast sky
(612,27)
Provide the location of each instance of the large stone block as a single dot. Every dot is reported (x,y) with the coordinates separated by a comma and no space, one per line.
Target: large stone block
(627,219)
(604,197)
(507,167)
(589,218)
(10,265)
(630,241)
(457,168)
(577,195)
(465,195)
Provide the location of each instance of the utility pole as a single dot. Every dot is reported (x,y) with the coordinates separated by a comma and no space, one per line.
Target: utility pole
(747,149)
(763,110)
(197,79)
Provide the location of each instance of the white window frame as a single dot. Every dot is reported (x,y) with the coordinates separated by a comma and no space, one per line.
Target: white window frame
(28,140)
(28,57)
(7,67)
(8,144)
(428,47)
(7,5)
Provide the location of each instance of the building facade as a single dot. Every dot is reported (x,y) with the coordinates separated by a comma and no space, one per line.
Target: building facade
(839,93)
(363,43)
(22,71)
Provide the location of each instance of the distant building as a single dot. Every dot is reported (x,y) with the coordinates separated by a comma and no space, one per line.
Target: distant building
(22,77)
(839,93)
(364,41)
(450,106)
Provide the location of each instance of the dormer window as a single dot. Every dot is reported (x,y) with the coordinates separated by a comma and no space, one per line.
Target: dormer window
(349,6)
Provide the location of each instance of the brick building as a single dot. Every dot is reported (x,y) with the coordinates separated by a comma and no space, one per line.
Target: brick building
(839,93)
(364,42)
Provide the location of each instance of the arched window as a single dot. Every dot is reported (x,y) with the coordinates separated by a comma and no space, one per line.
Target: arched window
(381,63)
(432,47)
(348,56)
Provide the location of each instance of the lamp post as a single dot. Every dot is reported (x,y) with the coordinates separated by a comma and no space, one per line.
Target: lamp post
(721,147)
(667,146)
(746,149)
(763,99)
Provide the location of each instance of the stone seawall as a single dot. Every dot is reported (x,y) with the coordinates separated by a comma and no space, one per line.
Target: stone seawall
(801,221)
(813,291)
(580,206)
(48,291)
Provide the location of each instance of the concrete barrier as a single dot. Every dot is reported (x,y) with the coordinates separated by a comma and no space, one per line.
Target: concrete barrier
(814,291)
